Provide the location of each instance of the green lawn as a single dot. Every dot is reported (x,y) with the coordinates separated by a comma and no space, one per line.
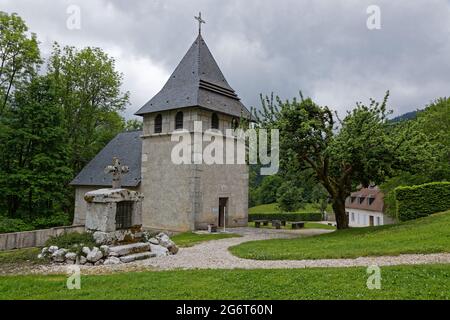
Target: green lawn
(188,239)
(399,282)
(27,255)
(308,225)
(426,235)
(273,207)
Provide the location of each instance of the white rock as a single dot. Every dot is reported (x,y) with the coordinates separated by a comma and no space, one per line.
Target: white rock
(53,249)
(89,264)
(70,261)
(164,240)
(71,256)
(160,251)
(94,255)
(59,255)
(153,241)
(99,262)
(113,254)
(40,256)
(82,260)
(111,261)
(105,250)
(44,250)
(85,250)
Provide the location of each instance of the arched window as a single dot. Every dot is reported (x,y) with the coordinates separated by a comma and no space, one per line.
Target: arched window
(234,123)
(179,120)
(158,124)
(214,121)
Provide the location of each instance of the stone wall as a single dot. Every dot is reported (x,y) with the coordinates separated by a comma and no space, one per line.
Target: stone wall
(35,238)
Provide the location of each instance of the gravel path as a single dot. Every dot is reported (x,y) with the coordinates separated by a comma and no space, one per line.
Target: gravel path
(215,255)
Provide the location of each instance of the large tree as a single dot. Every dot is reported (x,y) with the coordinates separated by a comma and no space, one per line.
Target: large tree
(19,56)
(88,87)
(342,154)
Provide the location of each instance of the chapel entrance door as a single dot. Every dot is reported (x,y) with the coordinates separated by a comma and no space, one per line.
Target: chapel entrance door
(371,222)
(223,204)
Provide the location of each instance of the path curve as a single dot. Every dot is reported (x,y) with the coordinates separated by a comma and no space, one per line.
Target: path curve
(215,255)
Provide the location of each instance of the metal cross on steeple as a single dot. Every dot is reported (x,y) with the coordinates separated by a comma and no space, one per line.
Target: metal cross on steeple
(200,21)
(117,170)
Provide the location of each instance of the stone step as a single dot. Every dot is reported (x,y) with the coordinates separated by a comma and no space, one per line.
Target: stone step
(130,248)
(137,256)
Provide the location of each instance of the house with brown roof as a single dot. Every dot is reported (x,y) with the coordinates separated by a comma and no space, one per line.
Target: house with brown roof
(365,207)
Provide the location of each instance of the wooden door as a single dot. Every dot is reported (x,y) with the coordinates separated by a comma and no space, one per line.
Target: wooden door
(223,203)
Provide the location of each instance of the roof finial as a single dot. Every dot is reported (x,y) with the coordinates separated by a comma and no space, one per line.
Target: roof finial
(200,21)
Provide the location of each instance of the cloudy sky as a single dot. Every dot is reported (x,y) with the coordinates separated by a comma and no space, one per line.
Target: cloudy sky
(323,48)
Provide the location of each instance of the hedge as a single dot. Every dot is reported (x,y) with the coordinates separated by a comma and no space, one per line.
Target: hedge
(413,202)
(299,216)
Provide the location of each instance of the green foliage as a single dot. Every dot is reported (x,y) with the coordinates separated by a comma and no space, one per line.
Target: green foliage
(426,235)
(55,220)
(134,125)
(289,197)
(72,241)
(422,200)
(19,56)
(296,216)
(14,225)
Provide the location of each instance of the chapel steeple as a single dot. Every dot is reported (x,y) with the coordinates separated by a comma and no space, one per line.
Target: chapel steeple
(197,82)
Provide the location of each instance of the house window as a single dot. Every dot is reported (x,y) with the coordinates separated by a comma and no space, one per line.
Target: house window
(361,200)
(179,120)
(158,124)
(352,199)
(370,200)
(353,217)
(214,121)
(378,221)
(123,214)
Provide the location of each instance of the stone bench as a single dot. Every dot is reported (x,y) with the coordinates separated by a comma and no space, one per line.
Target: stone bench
(297,225)
(277,224)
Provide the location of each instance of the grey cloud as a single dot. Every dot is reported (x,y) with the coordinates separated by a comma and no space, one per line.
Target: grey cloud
(320,47)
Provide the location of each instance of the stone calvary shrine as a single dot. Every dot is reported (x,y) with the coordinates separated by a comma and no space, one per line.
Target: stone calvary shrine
(185,196)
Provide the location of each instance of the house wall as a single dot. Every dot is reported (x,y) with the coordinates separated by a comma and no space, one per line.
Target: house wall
(360,218)
(186,197)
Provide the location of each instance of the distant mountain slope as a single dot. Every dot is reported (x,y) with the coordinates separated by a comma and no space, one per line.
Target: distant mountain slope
(406,116)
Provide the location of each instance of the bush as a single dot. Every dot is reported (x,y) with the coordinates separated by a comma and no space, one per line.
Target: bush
(73,241)
(301,216)
(13,225)
(55,220)
(413,202)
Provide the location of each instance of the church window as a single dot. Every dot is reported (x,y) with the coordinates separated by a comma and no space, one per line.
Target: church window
(214,121)
(179,120)
(158,124)
(235,123)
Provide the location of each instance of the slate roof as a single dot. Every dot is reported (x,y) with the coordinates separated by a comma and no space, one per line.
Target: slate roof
(126,146)
(373,193)
(197,81)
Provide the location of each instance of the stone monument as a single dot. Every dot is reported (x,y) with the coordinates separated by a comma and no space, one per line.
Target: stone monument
(114,215)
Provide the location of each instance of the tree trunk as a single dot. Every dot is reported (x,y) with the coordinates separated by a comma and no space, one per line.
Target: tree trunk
(339,212)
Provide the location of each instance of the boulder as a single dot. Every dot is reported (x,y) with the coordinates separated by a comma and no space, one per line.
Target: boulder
(160,251)
(59,255)
(89,264)
(71,256)
(111,261)
(164,240)
(52,249)
(113,254)
(82,260)
(85,250)
(105,250)
(94,255)
(99,262)
(173,249)
(44,251)
(153,241)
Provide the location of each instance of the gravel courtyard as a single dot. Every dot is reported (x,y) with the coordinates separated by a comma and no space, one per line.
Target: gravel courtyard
(215,255)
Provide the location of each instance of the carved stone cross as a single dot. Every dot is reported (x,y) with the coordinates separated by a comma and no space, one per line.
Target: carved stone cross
(117,170)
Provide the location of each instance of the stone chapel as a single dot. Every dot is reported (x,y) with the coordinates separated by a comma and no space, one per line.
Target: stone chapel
(177,197)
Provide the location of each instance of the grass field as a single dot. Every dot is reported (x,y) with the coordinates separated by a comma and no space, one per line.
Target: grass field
(426,235)
(188,239)
(400,282)
(273,208)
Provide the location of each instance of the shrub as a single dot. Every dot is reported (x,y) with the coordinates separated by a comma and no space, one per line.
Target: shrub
(55,220)
(301,216)
(73,241)
(413,202)
(13,225)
